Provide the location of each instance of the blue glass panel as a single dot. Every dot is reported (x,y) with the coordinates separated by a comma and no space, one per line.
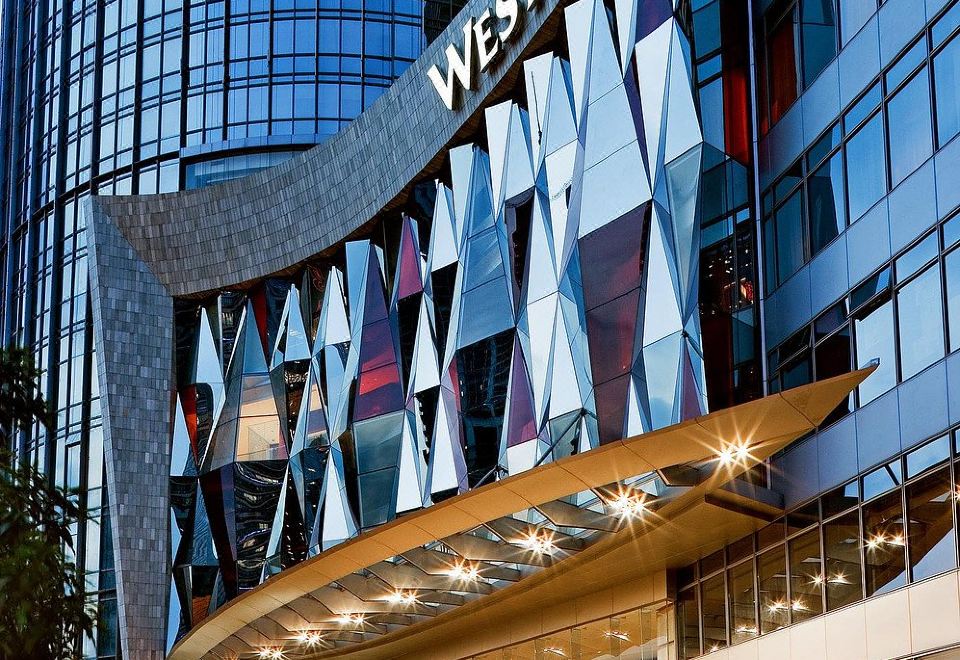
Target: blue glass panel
(951,268)
(911,134)
(946,76)
(790,237)
(853,15)
(881,480)
(932,453)
(920,322)
(917,257)
(866,160)
(828,207)
(874,340)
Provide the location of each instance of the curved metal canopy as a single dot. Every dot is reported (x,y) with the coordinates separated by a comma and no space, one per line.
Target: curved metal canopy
(640,505)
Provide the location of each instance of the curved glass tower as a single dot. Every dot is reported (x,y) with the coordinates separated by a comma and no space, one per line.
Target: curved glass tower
(151,96)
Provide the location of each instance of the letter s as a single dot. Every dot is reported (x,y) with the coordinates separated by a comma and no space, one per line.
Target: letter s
(510,10)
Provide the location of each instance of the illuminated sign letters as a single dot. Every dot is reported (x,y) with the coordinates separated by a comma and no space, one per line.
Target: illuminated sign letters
(484,38)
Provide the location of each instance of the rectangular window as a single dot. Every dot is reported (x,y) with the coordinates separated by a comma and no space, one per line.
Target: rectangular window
(951,268)
(920,322)
(911,139)
(946,80)
(884,544)
(826,203)
(743,603)
(713,604)
(689,618)
(932,541)
(873,336)
(841,551)
(818,37)
(790,248)
(774,603)
(806,576)
(866,161)
(781,63)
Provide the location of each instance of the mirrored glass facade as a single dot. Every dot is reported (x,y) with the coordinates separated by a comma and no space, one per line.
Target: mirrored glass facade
(148,96)
(645,213)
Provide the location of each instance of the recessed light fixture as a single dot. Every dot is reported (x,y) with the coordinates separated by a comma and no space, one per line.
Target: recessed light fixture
(627,505)
(348,619)
(733,452)
(540,544)
(309,637)
(464,571)
(401,597)
(271,654)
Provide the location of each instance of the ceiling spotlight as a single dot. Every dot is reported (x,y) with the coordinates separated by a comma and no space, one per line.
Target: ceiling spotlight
(401,597)
(896,539)
(309,637)
(465,572)
(271,654)
(539,544)
(816,580)
(555,651)
(799,606)
(733,452)
(777,606)
(627,506)
(349,619)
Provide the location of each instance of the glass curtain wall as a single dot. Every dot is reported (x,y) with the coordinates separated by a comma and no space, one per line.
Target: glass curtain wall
(117,97)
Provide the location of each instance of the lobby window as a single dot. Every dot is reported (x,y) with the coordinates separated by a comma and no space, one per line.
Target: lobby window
(806,576)
(843,572)
(714,613)
(891,526)
(688,620)
(743,602)
(883,542)
(774,599)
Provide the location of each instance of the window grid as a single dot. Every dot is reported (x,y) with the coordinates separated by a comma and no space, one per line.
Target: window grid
(881,547)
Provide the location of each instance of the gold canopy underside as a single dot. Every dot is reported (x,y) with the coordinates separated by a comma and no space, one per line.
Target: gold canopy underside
(683,529)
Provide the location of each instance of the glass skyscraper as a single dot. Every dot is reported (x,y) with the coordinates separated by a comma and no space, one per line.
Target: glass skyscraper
(151,96)
(612,328)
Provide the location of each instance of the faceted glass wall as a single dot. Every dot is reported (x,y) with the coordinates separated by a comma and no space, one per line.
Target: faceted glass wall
(541,298)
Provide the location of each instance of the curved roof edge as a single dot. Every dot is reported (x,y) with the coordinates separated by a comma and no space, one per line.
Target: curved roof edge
(766,425)
(208,239)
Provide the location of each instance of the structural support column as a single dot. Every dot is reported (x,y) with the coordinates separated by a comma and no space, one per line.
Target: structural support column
(133,331)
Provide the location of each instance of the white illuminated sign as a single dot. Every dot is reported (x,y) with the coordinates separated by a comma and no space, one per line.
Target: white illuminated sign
(484,39)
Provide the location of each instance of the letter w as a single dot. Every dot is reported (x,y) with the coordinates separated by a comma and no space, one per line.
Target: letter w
(460,70)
